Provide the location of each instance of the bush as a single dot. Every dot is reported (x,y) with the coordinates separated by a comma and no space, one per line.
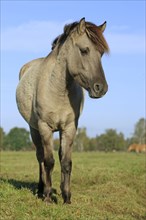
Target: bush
(17,139)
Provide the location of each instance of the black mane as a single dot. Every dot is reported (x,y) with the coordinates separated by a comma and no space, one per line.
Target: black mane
(93,32)
(62,37)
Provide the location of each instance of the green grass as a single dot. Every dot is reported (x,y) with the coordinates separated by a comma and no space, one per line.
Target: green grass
(105,186)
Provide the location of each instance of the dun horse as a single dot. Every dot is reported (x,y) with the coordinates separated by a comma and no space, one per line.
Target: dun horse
(138,148)
(50,96)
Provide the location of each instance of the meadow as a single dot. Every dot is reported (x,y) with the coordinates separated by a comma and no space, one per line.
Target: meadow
(105,186)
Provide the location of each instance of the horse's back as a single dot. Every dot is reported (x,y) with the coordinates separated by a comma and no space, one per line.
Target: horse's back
(28,76)
(27,67)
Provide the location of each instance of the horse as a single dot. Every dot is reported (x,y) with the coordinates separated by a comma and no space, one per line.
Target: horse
(50,97)
(138,148)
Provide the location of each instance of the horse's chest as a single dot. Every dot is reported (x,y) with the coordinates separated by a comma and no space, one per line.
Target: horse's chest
(59,120)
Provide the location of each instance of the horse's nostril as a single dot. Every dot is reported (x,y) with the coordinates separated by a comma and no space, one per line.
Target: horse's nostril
(98,87)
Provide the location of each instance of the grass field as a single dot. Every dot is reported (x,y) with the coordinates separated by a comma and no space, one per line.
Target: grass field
(105,186)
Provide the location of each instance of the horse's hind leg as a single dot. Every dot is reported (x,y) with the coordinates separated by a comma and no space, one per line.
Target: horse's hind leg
(44,148)
(66,142)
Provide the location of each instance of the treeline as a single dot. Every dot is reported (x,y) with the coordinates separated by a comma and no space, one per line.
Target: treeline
(19,139)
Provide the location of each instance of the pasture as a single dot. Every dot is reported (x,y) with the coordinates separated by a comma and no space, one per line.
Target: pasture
(105,186)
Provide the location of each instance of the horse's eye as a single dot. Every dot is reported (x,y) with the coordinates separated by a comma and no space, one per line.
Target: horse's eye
(84,51)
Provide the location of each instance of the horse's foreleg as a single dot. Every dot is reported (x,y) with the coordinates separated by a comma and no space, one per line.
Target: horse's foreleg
(36,138)
(47,164)
(66,142)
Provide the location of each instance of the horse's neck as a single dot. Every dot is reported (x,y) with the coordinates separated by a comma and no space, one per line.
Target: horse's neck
(59,78)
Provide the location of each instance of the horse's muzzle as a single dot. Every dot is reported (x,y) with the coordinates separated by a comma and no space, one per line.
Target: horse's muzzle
(98,90)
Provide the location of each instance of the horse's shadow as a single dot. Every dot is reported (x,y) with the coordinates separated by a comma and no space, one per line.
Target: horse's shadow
(18,184)
(32,187)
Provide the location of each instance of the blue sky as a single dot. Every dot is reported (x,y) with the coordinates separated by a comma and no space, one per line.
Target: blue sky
(27,30)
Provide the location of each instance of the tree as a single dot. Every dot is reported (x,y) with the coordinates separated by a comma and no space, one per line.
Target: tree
(17,139)
(81,142)
(56,144)
(111,141)
(139,135)
(92,144)
(2,136)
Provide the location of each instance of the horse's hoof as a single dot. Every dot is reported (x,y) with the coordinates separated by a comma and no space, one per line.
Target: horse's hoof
(50,200)
(67,202)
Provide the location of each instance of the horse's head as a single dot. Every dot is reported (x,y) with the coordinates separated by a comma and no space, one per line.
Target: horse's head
(85,46)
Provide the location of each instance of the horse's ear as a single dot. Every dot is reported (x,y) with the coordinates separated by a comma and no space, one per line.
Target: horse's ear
(82,26)
(102,27)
